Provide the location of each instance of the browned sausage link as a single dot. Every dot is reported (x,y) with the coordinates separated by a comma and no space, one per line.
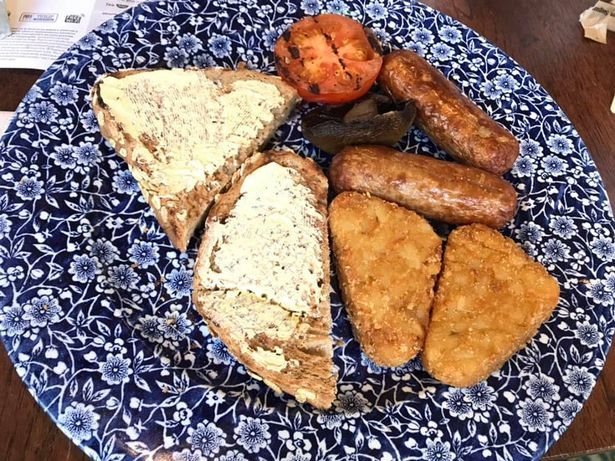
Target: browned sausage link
(445,191)
(448,117)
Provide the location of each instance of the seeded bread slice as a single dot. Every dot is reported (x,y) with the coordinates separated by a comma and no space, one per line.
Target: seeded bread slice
(262,275)
(184,132)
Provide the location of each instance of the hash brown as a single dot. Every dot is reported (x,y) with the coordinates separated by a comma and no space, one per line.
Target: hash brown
(388,259)
(490,301)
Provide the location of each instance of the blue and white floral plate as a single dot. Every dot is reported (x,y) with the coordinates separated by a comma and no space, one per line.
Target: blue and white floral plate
(95,304)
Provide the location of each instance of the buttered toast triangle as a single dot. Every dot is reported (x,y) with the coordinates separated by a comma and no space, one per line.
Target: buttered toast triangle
(490,301)
(387,261)
(184,132)
(262,275)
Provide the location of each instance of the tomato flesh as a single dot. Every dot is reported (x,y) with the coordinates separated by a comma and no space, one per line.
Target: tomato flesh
(328,58)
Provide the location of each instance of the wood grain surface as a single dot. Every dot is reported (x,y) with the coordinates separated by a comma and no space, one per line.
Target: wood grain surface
(544,36)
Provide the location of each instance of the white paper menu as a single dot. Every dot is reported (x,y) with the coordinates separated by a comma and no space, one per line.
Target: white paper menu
(41,30)
(5,118)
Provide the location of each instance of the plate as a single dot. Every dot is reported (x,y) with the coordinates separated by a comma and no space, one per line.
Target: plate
(96,312)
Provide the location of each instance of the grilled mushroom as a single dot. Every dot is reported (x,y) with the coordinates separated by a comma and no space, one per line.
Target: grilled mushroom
(375,119)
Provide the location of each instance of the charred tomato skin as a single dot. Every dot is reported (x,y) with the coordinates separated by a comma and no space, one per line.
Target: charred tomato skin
(328,58)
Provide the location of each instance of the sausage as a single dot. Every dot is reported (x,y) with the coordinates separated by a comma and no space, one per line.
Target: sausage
(448,117)
(440,190)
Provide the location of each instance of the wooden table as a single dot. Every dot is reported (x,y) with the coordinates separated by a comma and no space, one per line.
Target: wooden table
(544,37)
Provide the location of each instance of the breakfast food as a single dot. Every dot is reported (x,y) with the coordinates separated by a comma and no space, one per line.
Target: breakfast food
(446,191)
(449,118)
(374,119)
(184,133)
(490,301)
(328,58)
(191,138)
(262,275)
(387,260)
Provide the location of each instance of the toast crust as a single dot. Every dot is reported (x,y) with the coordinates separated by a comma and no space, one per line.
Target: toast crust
(180,214)
(308,345)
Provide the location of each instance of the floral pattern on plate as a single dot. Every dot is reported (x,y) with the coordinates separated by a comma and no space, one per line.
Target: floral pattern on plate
(95,307)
